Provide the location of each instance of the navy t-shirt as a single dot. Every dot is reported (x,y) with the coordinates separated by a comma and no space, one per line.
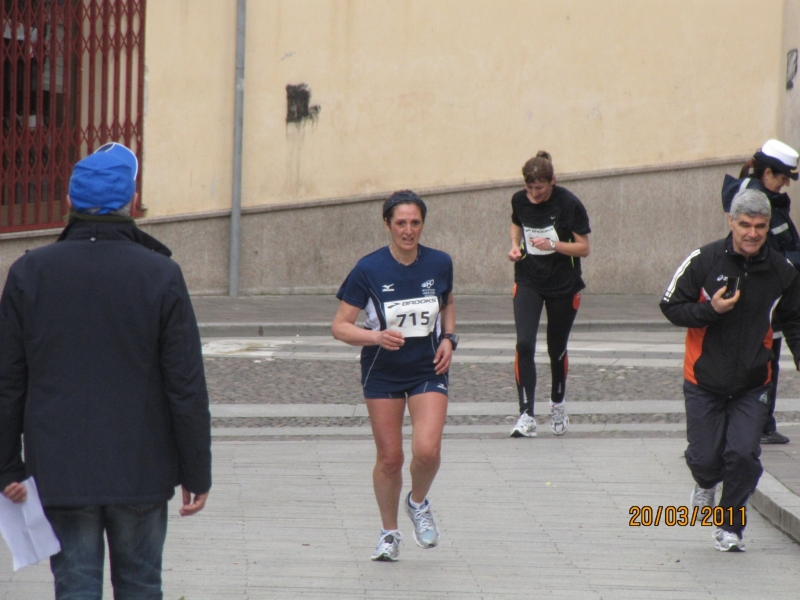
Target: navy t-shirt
(406,299)
(549,272)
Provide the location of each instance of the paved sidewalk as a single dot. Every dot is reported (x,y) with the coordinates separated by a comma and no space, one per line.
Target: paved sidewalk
(546,518)
(292,515)
(311,315)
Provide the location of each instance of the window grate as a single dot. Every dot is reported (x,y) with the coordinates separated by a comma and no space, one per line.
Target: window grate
(72,73)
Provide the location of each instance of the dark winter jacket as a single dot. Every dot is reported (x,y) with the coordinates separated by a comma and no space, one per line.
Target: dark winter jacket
(731,353)
(101,370)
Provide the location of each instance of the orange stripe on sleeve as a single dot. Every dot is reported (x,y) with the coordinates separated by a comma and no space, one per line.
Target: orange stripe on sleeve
(768,344)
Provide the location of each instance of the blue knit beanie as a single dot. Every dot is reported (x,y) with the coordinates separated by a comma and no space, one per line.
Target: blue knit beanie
(105,181)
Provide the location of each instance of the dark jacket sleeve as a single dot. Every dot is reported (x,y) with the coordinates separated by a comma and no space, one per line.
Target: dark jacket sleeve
(681,302)
(13,383)
(185,385)
(788,311)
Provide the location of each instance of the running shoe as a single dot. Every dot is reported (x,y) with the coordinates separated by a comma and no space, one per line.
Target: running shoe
(774,437)
(525,427)
(727,541)
(426,534)
(559,420)
(702,497)
(388,548)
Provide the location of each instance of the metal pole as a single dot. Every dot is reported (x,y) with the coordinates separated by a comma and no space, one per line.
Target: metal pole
(238,125)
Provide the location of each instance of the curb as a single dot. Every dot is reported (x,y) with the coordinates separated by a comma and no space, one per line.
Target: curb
(778,504)
(324,327)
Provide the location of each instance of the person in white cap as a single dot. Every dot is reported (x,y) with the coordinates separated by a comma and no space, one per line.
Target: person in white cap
(769,171)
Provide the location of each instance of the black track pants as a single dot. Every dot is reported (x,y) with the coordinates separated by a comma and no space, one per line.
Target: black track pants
(561,313)
(724,434)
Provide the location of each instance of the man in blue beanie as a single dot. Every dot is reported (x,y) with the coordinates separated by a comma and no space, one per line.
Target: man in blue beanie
(101,374)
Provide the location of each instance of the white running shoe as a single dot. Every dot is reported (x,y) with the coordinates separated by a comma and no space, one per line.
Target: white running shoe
(426,534)
(388,548)
(727,541)
(702,497)
(559,420)
(525,427)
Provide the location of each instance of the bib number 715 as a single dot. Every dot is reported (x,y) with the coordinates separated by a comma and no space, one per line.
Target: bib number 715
(415,317)
(424,318)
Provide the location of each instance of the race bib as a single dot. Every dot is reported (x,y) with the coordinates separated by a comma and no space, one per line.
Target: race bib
(530,233)
(415,317)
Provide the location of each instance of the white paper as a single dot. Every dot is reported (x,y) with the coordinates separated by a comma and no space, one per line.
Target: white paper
(413,317)
(26,530)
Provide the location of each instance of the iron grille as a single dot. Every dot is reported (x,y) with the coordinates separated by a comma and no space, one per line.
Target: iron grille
(73,79)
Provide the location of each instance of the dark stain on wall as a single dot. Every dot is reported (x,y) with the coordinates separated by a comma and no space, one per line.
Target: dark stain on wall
(298,98)
(791,68)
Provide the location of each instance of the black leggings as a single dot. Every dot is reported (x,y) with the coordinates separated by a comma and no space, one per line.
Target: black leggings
(561,313)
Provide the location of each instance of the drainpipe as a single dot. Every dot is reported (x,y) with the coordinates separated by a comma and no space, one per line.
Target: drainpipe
(238,124)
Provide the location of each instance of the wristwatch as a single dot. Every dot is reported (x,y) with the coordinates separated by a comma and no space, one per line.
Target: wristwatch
(552,245)
(453,339)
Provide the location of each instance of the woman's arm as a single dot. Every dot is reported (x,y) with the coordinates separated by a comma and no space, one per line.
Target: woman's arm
(579,248)
(516,238)
(344,328)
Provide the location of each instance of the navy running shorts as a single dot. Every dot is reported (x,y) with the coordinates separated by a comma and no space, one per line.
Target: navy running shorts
(438,383)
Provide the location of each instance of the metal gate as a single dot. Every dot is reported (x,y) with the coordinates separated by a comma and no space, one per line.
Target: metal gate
(73,79)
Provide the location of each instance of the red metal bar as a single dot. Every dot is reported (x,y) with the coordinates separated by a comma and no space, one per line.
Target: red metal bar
(117,43)
(38,135)
(139,123)
(130,40)
(26,111)
(13,23)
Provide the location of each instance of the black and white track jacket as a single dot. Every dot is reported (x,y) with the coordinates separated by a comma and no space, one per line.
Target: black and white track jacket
(731,353)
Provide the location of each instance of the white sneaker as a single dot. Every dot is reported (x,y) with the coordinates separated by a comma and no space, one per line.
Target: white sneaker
(727,541)
(426,533)
(559,420)
(703,497)
(525,427)
(388,548)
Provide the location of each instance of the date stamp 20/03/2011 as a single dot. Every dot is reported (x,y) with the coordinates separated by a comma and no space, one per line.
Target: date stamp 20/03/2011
(682,516)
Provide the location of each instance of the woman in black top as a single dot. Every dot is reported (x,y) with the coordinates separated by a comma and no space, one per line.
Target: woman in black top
(549,235)
(769,171)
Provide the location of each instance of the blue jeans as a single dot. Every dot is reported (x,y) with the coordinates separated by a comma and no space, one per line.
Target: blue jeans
(136,535)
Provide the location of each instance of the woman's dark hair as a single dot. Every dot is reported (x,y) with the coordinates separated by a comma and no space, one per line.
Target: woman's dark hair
(758,169)
(539,168)
(403,197)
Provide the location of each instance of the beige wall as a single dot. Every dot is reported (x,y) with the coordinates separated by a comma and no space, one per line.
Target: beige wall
(426,93)
(451,96)
(789,115)
(188,139)
(437,93)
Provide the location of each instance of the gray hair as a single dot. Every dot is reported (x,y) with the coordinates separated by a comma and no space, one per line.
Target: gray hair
(751,203)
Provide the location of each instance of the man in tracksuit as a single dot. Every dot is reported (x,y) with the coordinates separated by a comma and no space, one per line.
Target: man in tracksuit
(727,366)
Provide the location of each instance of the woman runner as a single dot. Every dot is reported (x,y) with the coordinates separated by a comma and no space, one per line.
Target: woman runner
(409,337)
(549,235)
